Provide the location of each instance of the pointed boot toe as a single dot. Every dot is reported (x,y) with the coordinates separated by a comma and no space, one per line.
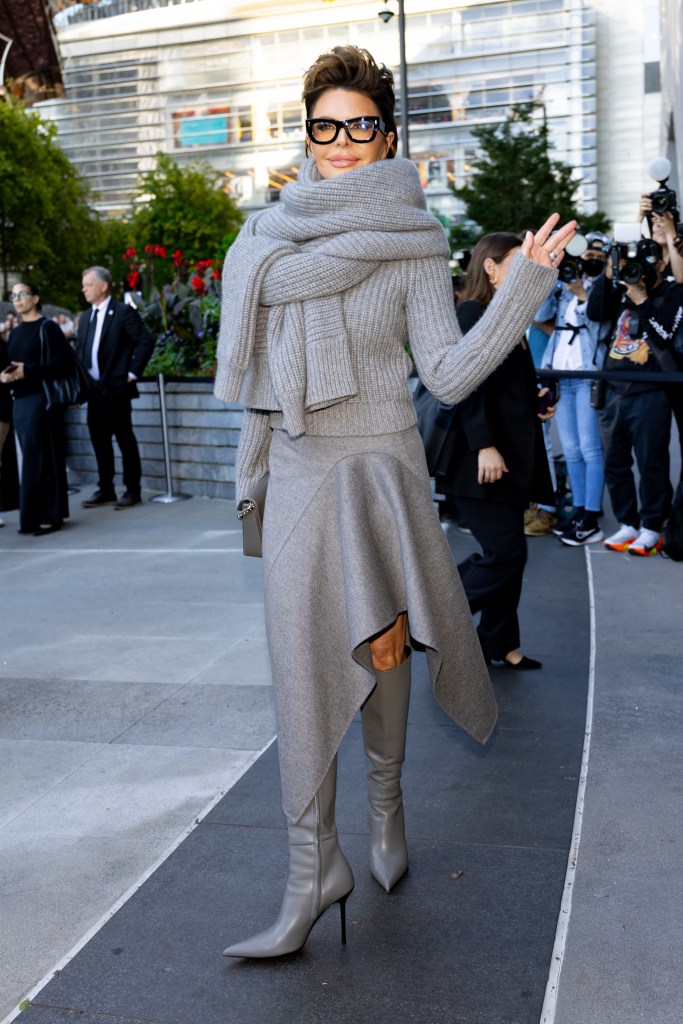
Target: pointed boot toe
(319,876)
(389,854)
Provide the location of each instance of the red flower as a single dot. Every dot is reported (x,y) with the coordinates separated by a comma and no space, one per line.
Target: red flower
(160,251)
(198,284)
(129,254)
(149,249)
(216,273)
(177,258)
(133,280)
(203,265)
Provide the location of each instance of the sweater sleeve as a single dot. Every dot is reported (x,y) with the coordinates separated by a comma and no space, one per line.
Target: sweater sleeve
(61,361)
(252,452)
(548,310)
(449,363)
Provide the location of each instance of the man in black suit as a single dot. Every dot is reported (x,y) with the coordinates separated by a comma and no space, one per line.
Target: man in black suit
(114,346)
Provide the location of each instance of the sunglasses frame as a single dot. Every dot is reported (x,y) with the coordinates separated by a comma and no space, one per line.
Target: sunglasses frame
(378,124)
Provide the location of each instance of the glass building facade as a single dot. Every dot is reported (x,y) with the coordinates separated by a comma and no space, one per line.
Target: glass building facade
(222,81)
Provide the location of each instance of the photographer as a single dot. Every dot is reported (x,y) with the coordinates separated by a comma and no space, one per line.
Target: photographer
(665,230)
(636,415)
(574,345)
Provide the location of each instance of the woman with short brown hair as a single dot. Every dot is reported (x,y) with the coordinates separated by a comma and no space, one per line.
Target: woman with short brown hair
(320,294)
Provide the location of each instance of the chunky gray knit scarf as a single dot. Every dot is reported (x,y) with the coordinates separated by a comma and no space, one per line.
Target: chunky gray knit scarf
(283,343)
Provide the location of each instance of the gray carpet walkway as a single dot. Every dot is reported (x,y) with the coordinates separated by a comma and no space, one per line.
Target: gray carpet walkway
(135,699)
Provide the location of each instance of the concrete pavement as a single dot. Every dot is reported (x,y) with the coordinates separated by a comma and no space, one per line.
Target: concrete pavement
(135,691)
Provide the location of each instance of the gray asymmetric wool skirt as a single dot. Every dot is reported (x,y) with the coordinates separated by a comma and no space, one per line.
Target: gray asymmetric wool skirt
(350,540)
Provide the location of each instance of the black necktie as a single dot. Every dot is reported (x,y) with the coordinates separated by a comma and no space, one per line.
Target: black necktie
(90,337)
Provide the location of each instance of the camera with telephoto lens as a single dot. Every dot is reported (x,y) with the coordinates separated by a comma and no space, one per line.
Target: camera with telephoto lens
(573,270)
(663,199)
(641,258)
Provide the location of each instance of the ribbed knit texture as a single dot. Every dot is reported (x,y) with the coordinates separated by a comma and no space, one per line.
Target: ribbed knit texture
(286,274)
(392,298)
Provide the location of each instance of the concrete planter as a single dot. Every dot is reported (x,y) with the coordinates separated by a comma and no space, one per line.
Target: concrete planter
(203,434)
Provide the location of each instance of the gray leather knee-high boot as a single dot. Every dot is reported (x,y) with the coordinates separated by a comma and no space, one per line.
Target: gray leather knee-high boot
(319,875)
(385,718)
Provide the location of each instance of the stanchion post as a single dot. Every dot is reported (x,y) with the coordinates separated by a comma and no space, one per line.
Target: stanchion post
(166,499)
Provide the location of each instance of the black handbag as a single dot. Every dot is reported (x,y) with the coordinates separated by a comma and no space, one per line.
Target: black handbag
(250,513)
(434,422)
(598,392)
(64,391)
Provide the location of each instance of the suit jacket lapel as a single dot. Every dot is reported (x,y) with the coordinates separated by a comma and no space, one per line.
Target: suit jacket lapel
(108,316)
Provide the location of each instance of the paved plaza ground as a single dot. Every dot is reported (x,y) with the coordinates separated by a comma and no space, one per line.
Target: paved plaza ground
(140,826)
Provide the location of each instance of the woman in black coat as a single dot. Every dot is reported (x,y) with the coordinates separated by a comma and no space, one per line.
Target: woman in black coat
(5,428)
(497,464)
(43,504)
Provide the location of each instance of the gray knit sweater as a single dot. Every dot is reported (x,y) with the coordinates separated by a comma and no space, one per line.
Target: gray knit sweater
(400,300)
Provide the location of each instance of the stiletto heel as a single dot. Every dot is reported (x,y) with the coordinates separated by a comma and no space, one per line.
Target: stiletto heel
(342,912)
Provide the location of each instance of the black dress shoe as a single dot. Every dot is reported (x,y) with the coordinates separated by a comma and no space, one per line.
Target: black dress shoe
(42,530)
(525,665)
(128,500)
(100,498)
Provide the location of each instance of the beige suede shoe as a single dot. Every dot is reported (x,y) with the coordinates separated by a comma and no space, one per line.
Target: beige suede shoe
(542,523)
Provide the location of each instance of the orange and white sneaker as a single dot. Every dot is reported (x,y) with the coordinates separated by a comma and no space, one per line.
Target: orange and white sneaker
(648,542)
(621,540)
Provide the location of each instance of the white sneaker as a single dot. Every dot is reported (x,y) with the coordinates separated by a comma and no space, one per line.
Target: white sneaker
(620,540)
(578,535)
(648,542)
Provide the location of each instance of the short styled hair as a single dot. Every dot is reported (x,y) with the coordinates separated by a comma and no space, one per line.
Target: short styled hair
(355,70)
(101,273)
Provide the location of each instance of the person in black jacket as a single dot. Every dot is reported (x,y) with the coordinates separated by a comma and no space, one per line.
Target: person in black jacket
(5,413)
(497,465)
(114,346)
(636,415)
(43,502)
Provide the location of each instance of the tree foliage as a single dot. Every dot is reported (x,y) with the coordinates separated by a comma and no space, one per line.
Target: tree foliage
(47,229)
(183,207)
(516,184)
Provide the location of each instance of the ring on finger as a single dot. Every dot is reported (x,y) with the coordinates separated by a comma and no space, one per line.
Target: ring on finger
(553,255)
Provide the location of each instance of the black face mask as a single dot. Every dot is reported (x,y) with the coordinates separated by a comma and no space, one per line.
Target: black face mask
(593,267)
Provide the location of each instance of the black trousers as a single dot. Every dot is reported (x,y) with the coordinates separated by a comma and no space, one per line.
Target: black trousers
(43,495)
(637,423)
(493,579)
(109,417)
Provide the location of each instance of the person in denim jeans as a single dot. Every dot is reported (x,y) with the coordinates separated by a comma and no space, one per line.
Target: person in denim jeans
(575,345)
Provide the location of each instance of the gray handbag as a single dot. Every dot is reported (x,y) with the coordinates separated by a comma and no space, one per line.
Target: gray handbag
(250,513)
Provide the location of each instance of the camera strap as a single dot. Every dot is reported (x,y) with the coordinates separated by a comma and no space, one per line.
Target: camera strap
(574,328)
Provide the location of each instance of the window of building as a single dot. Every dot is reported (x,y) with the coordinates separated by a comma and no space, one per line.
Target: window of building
(207,127)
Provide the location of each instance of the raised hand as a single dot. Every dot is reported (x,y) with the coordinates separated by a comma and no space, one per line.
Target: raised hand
(546,249)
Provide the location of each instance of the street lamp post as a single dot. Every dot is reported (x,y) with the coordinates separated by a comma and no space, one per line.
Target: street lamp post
(386,14)
(5,44)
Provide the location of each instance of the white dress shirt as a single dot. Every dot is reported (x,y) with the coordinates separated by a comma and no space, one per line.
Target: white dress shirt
(94,369)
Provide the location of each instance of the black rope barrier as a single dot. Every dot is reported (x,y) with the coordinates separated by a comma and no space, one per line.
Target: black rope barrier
(627,376)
